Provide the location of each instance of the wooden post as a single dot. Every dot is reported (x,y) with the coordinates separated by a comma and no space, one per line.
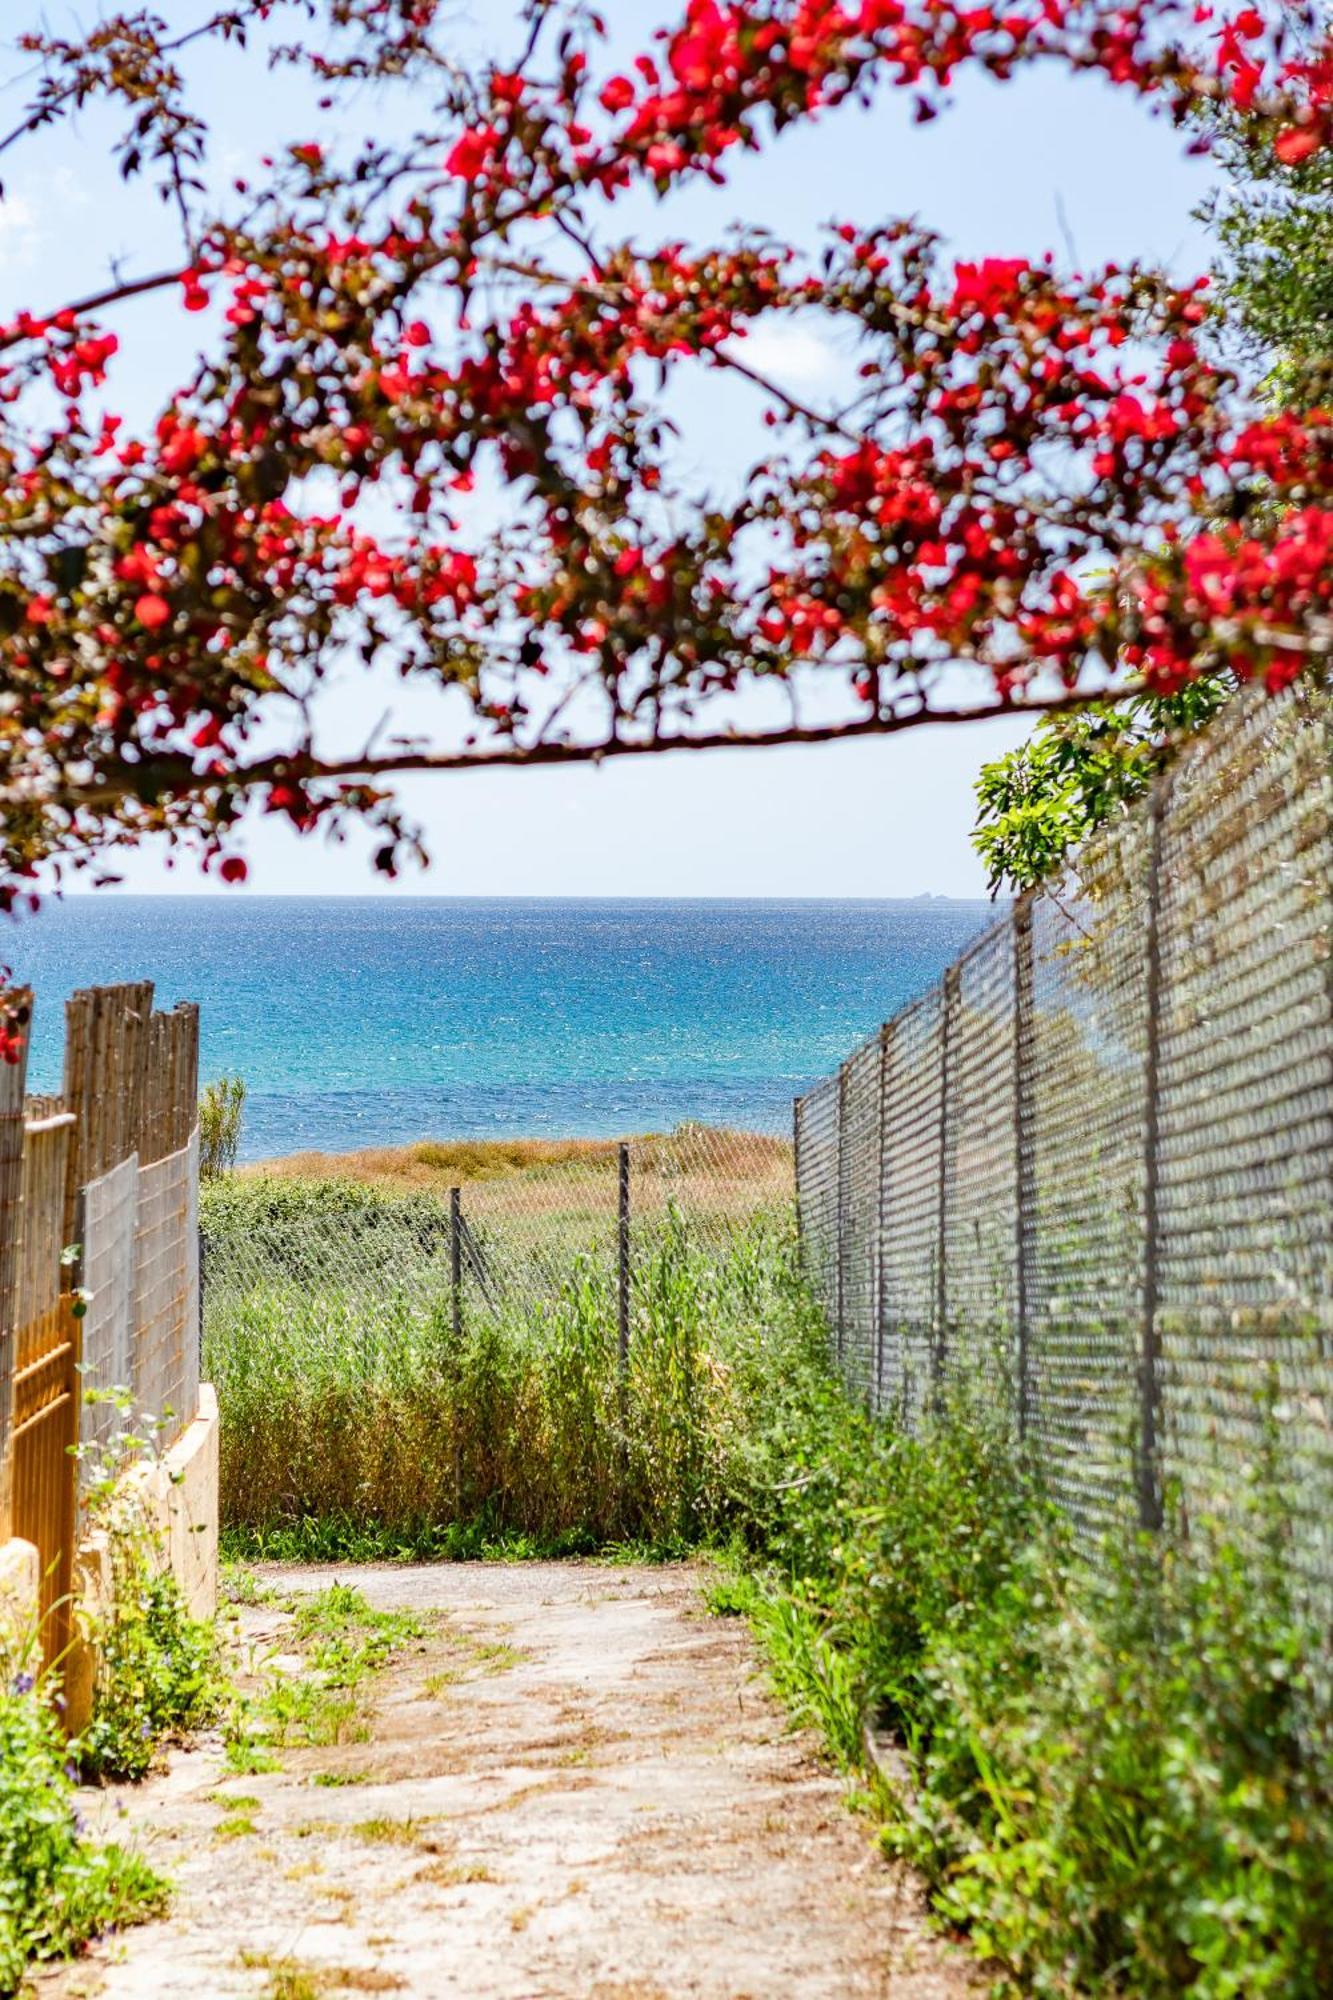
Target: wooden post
(13,1078)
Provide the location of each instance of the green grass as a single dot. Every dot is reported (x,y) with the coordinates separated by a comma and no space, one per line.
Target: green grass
(344,1643)
(347,1440)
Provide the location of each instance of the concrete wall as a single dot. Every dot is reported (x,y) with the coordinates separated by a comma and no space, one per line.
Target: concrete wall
(20,1593)
(176,1500)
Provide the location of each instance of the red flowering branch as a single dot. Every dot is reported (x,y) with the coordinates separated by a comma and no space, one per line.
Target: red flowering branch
(429,435)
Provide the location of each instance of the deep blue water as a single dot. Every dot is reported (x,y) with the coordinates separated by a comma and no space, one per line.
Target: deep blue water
(359,1022)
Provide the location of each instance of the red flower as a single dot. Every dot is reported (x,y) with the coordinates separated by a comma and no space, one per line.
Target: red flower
(152,610)
(233,869)
(473,152)
(618,94)
(990,287)
(182,450)
(1296,143)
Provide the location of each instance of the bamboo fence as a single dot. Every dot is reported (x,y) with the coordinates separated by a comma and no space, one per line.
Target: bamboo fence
(95,1293)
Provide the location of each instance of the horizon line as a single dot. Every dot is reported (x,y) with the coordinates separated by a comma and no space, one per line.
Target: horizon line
(227,897)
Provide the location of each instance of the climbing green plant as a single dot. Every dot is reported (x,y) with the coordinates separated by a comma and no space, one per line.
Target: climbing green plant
(158,1673)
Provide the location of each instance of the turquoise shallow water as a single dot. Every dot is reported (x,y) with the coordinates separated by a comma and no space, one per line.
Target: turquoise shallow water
(357,1022)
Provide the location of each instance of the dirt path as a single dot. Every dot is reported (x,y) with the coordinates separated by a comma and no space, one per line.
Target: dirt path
(574,1787)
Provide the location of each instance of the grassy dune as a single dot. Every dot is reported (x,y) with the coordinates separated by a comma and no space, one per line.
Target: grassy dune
(566,1191)
(436,1165)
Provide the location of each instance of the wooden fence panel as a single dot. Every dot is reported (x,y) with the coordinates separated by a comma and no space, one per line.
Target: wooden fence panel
(46,1378)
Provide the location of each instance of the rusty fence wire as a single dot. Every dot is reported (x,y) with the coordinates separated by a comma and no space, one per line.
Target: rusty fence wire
(1092,1172)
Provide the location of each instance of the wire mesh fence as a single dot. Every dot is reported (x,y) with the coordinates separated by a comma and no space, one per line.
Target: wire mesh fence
(1094,1169)
(343,1278)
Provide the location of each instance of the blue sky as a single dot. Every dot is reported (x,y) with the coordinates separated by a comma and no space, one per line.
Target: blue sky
(1047,162)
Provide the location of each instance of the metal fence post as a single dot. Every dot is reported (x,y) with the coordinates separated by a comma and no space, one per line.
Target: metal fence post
(881,1197)
(844,1222)
(949,1007)
(623,1258)
(456,1258)
(796,1180)
(1149,1479)
(1024,1177)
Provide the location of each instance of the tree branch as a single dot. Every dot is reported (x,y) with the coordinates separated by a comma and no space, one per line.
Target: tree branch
(176,776)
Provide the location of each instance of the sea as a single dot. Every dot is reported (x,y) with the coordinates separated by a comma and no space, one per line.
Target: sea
(363,1021)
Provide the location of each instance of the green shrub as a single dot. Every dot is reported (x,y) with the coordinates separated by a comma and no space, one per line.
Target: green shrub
(1120,1772)
(221,1106)
(157,1672)
(1127,1779)
(57,1887)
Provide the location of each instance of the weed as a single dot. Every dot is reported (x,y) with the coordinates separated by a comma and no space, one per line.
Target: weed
(247,1753)
(454,1874)
(57,1887)
(293,1982)
(733,1596)
(293,1979)
(335,1778)
(239,1585)
(158,1674)
(392,1832)
(1118,1775)
(344,1642)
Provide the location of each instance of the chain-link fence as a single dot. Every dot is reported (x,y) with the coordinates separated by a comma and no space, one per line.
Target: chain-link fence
(363,1275)
(139,1241)
(1093,1170)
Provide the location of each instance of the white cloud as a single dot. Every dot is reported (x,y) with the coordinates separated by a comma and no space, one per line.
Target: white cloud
(32,220)
(20,231)
(794,355)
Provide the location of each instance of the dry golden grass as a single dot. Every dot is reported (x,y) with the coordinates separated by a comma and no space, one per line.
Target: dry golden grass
(438,1164)
(699,1153)
(560,1195)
